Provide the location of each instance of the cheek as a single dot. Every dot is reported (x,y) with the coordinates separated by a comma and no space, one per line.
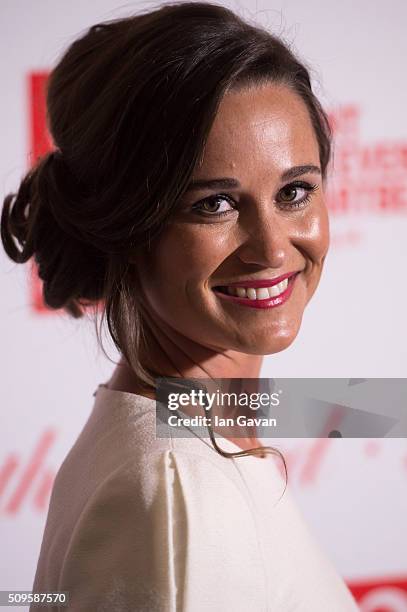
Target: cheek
(315,235)
(315,244)
(184,255)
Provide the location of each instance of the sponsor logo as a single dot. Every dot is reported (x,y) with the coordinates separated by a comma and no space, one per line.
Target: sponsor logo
(381,595)
(29,480)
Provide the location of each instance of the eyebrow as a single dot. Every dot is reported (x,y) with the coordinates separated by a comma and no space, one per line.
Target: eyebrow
(230,183)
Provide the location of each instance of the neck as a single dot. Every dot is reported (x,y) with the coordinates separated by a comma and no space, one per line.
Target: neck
(168,353)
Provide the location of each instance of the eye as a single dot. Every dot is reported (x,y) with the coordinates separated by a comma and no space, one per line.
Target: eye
(287,199)
(287,196)
(215,206)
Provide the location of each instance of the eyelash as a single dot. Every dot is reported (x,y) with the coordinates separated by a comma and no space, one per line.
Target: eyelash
(308,187)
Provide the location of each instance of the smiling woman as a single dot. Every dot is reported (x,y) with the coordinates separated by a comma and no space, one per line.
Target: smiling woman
(186,194)
(265,233)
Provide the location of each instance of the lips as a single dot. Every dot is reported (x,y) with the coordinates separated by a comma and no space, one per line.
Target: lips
(264,282)
(265,293)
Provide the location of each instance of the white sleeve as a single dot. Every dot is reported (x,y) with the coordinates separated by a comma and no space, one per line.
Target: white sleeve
(173,535)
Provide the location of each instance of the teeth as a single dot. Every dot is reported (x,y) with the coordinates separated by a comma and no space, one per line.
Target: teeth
(263,293)
(277,289)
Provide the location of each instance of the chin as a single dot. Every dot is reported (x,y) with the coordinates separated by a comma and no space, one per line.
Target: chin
(267,344)
(278,345)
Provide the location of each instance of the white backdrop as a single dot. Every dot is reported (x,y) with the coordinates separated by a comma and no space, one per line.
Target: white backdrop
(353,492)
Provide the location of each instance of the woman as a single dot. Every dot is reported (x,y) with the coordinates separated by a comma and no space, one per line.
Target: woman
(188,179)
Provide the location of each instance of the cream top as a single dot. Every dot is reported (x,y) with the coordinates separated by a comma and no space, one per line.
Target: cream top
(169,525)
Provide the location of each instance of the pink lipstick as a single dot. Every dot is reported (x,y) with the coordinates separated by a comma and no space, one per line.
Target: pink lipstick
(267,302)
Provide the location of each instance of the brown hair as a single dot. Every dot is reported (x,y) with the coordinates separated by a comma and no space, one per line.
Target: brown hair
(129,107)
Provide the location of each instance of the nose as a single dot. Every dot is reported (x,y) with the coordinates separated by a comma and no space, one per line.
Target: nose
(265,241)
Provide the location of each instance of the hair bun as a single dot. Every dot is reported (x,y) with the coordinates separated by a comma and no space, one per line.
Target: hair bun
(43,218)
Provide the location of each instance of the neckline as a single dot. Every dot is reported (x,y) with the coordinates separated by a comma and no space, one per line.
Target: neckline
(151,403)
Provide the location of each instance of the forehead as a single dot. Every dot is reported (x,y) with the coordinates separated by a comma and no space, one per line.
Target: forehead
(261,127)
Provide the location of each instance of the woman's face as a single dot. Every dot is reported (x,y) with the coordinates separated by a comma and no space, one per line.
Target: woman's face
(255,211)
